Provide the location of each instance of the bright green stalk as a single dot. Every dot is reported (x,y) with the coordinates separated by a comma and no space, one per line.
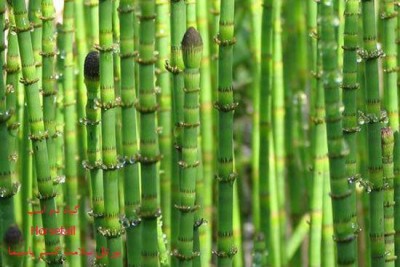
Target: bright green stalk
(111,227)
(129,134)
(117,86)
(80,44)
(396,159)
(164,115)
(207,134)
(192,48)
(388,174)
(298,236)
(225,106)
(12,86)
(7,191)
(48,80)
(178,26)
(260,253)
(343,205)
(320,155)
(37,240)
(36,35)
(93,117)
(216,12)
(256,23)
(350,86)
(388,15)
(191,13)
(91,15)
(265,130)
(278,115)
(328,244)
(149,147)
(237,228)
(370,54)
(72,242)
(45,183)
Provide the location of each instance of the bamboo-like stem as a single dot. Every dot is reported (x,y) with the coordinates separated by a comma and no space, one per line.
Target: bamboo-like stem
(225,106)
(298,236)
(91,9)
(278,122)
(164,115)
(7,190)
(149,146)
(130,134)
(192,47)
(191,13)
(370,54)
(388,174)
(265,191)
(45,183)
(93,117)
(12,87)
(36,35)
(111,227)
(178,26)
(343,205)
(328,244)
(72,242)
(256,24)
(320,155)
(80,44)
(207,135)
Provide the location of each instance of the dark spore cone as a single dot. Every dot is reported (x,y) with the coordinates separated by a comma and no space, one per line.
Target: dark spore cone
(13,236)
(92,66)
(192,38)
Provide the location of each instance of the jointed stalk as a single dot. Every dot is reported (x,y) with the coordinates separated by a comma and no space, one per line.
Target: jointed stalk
(343,206)
(370,54)
(226,106)
(93,163)
(130,134)
(388,174)
(111,227)
(178,26)
(72,242)
(36,35)
(164,115)
(149,146)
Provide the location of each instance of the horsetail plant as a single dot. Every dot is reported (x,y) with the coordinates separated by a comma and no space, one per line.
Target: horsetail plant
(225,105)
(370,54)
(164,115)
(340,187)
(93,163)
(206,133)
(191,13)
(396,183)
(192,48)
(149,153)
(111,227)
(72,242)
(175,67)
(388,174)
(130,135)
(36,34)
(38,135)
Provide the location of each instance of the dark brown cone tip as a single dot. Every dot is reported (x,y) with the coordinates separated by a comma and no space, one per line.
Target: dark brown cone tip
(13,236)
(192,38)
(92,66)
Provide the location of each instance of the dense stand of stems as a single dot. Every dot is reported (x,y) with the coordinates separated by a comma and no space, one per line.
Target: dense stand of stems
(130,135)
(45,183)
(149,145)
(340,187)
(370,54)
